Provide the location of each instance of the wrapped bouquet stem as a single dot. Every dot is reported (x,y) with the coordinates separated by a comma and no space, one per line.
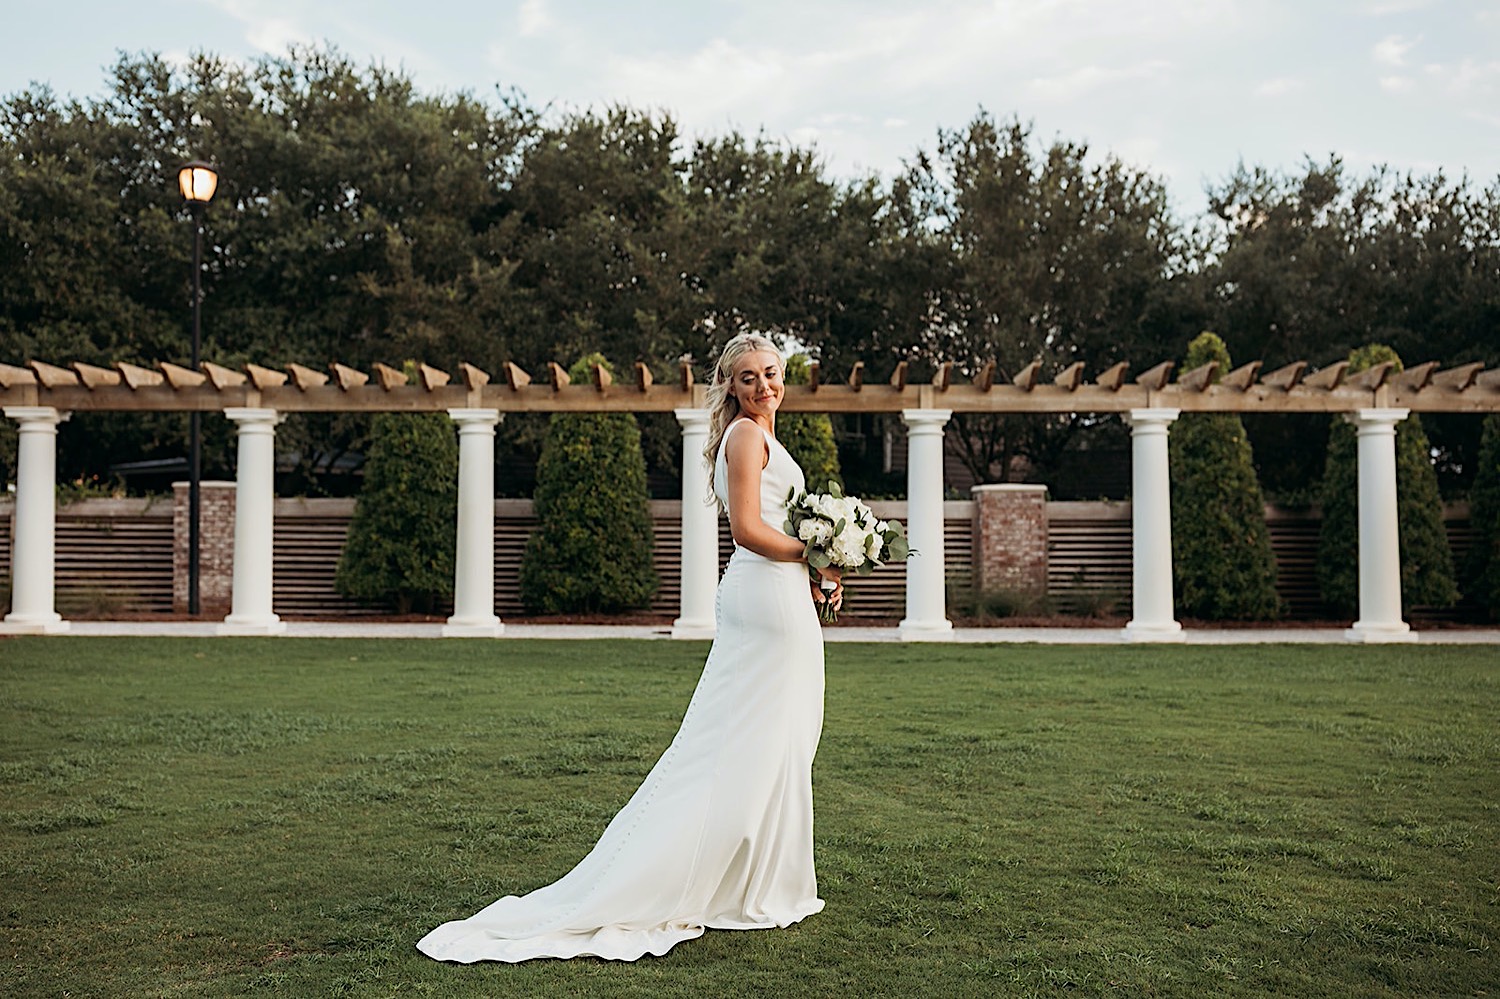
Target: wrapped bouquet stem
(841,531)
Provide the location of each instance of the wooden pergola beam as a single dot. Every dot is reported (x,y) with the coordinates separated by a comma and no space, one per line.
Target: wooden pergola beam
(1467,388)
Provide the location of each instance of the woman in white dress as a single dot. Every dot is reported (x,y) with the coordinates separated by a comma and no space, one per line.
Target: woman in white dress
(720,833)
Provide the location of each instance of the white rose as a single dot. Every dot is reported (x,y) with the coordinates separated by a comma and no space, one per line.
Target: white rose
(816,531)
(874,546)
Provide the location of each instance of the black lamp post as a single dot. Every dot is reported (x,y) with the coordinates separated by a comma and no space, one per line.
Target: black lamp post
(197,181)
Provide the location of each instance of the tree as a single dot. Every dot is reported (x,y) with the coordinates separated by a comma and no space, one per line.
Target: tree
(1050,259)
(1483,566)
(592,547)
(1426,561)
(401,540)
(1221,547)
(808,437)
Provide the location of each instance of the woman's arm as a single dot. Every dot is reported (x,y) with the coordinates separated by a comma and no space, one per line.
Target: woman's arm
(745,455)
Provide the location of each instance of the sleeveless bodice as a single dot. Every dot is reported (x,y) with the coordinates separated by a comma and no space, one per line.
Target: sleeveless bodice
(776,479)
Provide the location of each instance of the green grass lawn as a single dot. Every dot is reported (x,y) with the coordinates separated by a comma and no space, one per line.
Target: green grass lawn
(185,817)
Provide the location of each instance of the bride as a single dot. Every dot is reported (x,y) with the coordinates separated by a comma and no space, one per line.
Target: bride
(720,833)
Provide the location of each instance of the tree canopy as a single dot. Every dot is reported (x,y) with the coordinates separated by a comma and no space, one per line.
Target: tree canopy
(361,219)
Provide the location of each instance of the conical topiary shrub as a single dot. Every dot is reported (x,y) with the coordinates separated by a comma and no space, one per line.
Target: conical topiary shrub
(401,538)
(1483,576)
(1426,560)
(591,551)
(808,437)
(1221,548)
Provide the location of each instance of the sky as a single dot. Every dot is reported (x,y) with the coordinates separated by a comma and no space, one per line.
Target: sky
(1185,89)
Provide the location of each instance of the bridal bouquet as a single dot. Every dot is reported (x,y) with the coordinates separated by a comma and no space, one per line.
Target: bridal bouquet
(842,531)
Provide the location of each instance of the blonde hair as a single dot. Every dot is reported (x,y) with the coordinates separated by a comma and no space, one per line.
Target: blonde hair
(721,404)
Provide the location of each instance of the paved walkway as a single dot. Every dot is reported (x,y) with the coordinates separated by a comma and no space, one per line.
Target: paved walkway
(1045,636)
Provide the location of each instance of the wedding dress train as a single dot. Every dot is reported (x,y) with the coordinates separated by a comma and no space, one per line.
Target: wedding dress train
(719,835)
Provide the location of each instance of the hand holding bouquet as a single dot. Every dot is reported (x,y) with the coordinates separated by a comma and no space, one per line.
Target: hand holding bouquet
(841,531)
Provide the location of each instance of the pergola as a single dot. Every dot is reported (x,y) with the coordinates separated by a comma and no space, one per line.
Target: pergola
(40,395)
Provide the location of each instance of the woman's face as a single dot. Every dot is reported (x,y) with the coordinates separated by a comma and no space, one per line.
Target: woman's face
(755,382)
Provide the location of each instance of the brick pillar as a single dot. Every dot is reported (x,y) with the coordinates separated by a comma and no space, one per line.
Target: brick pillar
(1010,538)
(215,548)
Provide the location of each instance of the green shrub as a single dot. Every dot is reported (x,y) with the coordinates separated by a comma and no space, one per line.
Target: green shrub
(1221,548)
(808,437)
(1426,561)
(401,540)
(592,548)
(1483,576)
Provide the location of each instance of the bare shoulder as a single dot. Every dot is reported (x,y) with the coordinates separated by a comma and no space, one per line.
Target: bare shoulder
(745,448)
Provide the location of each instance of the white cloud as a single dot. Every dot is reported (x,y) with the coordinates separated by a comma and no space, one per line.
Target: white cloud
(268,30)
(1278,87)
(1072,85)
(1385,7)
(533,18)
(1391,50)
(1396,84)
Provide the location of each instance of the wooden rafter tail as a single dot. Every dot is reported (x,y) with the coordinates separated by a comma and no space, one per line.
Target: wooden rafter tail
(1200,378)
(559,376)
(137,377)
(474,378)
(1242,377)
(347,377)
(182,378)
(643,376)
(1286,378)
(51,376)
(943,376)
(432,378)
(602,378)
(12,376)
(1459,378)
(389,377)
(1417,377)
(306,378)
(265,378)
(685,375)
(1070,378)
(223,378)
(93,377)
(1328,378)
(857,376)
(984,378)
(1025,379)
(1488,379)
(516,378)
(1112,378)
(1372,377)
(1155,379)
(814,372)
(898,377)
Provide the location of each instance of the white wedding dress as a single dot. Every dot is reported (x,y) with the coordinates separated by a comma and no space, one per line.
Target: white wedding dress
(720,833)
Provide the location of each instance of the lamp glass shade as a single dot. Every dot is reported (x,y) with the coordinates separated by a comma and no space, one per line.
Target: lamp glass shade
(198,181)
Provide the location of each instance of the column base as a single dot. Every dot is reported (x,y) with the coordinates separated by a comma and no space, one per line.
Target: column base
(925,631)
(492,628)
(687,628)
(1373,632)
(26,625)
(1140,631)
(248,626)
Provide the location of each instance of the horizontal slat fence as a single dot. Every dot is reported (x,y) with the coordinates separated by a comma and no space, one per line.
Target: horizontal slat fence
(114,557)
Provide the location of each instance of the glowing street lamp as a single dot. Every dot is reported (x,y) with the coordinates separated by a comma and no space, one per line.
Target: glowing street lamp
(197,181)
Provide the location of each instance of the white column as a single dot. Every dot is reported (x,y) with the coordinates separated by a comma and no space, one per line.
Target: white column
(700,533)
(474,558)
(1152,618)
(1379,530)
(32,570)
(254,504)
(926,600)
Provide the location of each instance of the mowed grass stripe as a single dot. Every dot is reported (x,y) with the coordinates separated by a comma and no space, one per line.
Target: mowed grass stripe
(286,817)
